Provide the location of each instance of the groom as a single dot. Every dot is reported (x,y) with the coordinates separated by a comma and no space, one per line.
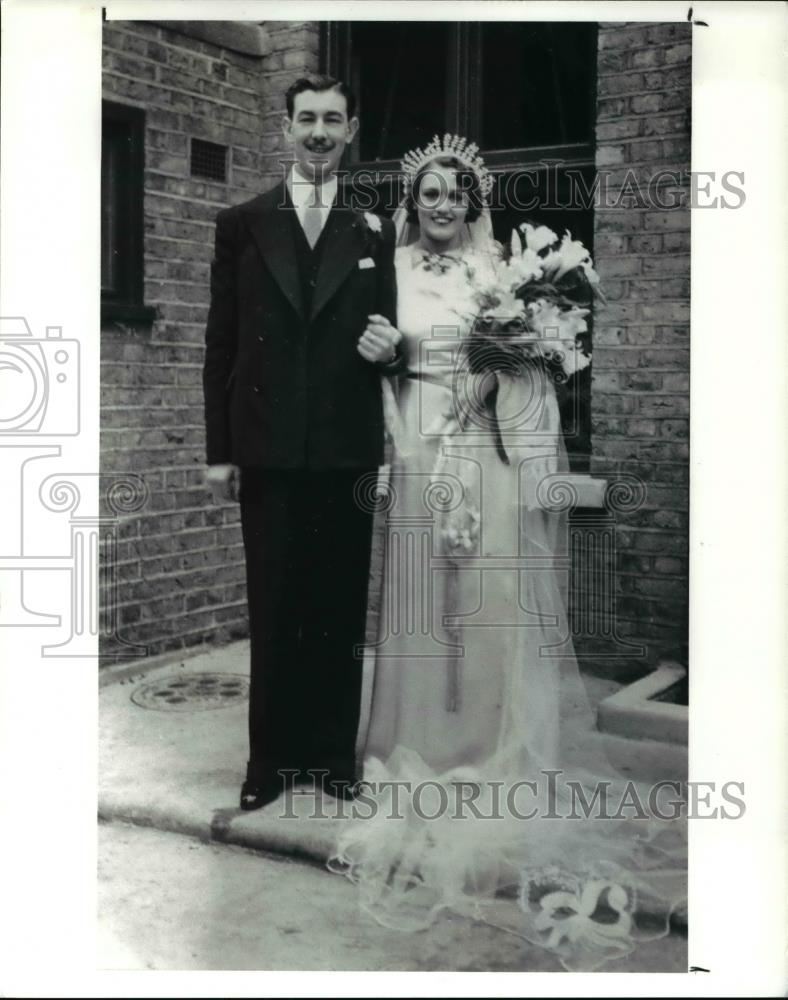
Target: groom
(303,299)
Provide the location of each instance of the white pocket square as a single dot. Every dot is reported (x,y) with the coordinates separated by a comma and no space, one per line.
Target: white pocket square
(366,262)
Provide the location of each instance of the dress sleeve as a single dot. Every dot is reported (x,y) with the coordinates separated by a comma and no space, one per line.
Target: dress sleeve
(387,296)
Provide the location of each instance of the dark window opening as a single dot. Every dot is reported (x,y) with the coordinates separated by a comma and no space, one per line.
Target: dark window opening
(122,178)
(398,72)
(209,161)
(537,84)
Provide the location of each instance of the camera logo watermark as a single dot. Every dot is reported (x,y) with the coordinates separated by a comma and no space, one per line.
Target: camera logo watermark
(548,525)
(39,380)
(48,522)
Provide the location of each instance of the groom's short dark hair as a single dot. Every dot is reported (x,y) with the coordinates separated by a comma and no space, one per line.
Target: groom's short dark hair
(319,82)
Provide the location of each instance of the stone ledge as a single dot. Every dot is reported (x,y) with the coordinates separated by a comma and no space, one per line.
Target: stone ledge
(633,711)
(245,37)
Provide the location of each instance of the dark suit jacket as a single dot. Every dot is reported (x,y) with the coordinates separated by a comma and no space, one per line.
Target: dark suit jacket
(285,387)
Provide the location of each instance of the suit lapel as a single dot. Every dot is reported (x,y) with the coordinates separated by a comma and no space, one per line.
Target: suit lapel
(270,223)
(343,242)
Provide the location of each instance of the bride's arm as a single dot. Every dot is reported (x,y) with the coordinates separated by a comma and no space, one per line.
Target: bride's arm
(387,298)
(381,342)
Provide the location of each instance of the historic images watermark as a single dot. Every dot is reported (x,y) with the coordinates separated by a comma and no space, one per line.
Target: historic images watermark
(547,795)
(550,185)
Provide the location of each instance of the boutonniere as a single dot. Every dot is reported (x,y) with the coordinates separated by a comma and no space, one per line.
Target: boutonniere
(373,222)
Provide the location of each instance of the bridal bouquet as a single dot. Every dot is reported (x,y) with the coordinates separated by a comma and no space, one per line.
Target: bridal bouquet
(528,312)
(533,311)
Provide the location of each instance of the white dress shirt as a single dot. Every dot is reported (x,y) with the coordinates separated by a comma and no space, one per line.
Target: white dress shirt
(303,192)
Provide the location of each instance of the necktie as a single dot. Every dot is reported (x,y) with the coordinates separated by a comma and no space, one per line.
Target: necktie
(312,223)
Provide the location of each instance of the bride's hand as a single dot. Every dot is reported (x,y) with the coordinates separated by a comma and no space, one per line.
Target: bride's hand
(378,343)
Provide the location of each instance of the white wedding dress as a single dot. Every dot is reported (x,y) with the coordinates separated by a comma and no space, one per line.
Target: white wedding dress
(476,688)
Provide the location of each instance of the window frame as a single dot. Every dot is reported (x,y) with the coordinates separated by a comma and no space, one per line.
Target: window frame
(127,303)
(463,100)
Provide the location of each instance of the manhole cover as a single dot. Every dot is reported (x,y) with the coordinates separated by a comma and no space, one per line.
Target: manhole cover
(192,692)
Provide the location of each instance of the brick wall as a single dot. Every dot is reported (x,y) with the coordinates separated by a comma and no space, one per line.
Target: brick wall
(640,389)
(180,559)
(294,52)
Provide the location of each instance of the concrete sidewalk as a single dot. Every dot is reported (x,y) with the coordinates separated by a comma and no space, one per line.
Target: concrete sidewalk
(167,761)
(181,770)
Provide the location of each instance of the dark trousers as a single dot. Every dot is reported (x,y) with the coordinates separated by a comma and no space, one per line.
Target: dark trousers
(307,543)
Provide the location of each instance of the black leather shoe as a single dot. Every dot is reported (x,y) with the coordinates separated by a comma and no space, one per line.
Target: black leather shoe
(255,795)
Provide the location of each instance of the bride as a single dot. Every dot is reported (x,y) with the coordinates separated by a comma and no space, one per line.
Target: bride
(480,761)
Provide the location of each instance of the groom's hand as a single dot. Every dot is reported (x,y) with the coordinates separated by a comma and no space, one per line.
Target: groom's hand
(378,343)
(224,482)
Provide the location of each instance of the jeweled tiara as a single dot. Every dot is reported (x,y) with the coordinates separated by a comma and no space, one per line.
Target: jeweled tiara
(451,145)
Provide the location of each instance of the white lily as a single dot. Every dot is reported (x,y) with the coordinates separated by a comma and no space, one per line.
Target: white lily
(578,925)
(525,267)
(544,318)
(515,244)
(499,302)
(572,322)
(558,330)
(537,237)
(570,254)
